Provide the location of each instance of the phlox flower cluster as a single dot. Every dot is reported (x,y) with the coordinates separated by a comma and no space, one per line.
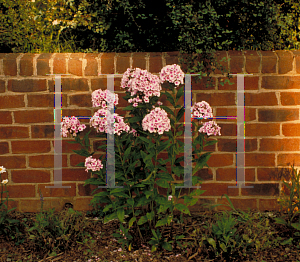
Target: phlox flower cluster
(156,121)
(71,125)
(101,98)
(102,121)
(211,128)
(92,164)
(202,109)
(172,74)
(141,82)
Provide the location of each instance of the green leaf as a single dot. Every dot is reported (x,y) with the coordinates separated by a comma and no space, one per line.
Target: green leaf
(170,98)
(179,93)
(167,246)
(130,201)
(131,221)
(82,152)
(163,146)
(144,139)
(182,208)
(280,220)
(287,241)
(296,226)
(150,215)
(162,183)
(161,222)
(127,152)
(212,242)
(168,110)
(121,214)
(101,194)
(142,220)
(180,114)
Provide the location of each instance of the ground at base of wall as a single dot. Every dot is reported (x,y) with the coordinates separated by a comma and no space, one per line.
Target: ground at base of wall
(263,237)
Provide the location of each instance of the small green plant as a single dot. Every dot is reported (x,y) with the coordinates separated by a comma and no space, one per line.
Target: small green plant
(54,232)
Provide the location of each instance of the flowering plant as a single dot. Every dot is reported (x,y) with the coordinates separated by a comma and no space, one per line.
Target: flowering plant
(137,167)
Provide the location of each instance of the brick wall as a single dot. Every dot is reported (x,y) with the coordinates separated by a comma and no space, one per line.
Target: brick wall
(27,123)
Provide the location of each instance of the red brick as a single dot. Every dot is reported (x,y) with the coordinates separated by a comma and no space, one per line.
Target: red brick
(139,60)
(123,62)
(280,82)
(171,57)
(200,85)
(29,205)
(32,146)
(230,145)
(60,63)
(68,148)
(82,100)
(261,129)
(220,56)
(13,101)
(252,61)
(43,64)
(269,62)
(12,204)
(228,129)
(20,191)
(2,86)
(34,116)
(107,63)
(297,60)
(261,99)
(220,160)
(229,112)
(277,115)
(290,129)
(255,159)
(27,85)
(289,98)
(14,162)
(58,192)
(88,189)
(285,159)
(91,64)
(26,65)
(10,64)
(217,189)
(285,62)
(70,84)
(229,174)
(268,205)
(251,82)
(236,62)
(75,174)
(4,149)
(217,99)
(99,83)
(44,100)
(7,132)
(205,173)
(5,117)
(165,101)
(155,62)
(75,64)
(30,176)
(267,189)
(241,204)
(279,144)
(47,161)
(82,204)
(42,131)
(267,174)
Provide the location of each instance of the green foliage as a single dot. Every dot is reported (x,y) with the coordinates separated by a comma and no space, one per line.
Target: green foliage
(198,28)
